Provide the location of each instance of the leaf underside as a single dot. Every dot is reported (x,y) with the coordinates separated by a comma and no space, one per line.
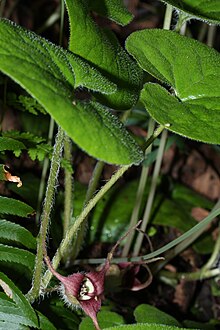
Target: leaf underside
(204,10)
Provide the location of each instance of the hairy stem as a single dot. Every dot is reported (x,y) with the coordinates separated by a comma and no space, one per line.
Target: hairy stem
(91,204)
(73,230)
(44,172)
(68,183)
(45,218)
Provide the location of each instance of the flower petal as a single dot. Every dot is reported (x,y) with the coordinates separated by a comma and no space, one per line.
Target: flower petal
(91,308)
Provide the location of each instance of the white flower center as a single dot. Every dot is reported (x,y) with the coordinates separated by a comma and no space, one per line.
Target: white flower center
(86,290)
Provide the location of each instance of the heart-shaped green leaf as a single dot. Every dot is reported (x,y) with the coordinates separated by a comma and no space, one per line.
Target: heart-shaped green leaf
(192,69)
(103,50)
(205,10)
(46,72)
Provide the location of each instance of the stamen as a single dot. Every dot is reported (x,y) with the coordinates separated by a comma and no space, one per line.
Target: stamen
(86,289)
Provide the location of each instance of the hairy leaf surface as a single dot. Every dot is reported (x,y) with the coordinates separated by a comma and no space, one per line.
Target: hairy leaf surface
(46,72)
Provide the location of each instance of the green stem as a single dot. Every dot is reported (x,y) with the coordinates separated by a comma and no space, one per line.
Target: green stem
(215,253)
(73,230)
(183,18)
(91,204)
(167,17)
(211,35)
(139,195)
(191,232)
(45,218)
(164,275)
(62,13)
(68,184)
(93,184)
(166,25)
(94,181)
(44,172)
(152,191)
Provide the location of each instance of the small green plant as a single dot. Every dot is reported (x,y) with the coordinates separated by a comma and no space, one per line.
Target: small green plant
(182,96)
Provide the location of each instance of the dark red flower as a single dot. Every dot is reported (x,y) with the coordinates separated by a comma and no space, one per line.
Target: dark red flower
(85,290)
(131,276)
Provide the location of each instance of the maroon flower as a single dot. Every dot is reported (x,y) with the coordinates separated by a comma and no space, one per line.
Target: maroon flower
(85,290)
(128,275)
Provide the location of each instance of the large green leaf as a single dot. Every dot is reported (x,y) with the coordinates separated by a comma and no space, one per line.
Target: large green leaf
(201,9)
(69,70)
(45,71)
(15,255)
(192,69)
(14,308)
(149,314)
(103,50)
(113,9)
(13,232)
(14,207)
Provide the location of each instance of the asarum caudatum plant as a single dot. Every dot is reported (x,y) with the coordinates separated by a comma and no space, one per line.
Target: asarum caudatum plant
(83,290)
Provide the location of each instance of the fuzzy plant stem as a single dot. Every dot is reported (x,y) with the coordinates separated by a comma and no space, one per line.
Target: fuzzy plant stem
(68,183)
(91,204)
(139,195)
(44,172)
(79,220)
(45,218)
